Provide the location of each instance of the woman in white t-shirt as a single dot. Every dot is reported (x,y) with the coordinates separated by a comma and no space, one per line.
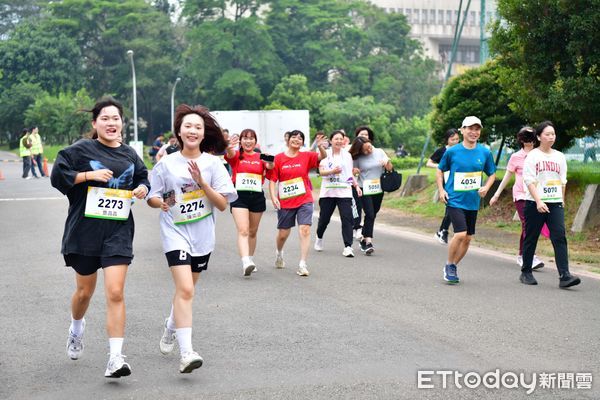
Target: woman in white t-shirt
(186,186)
(336,191)
(545,176)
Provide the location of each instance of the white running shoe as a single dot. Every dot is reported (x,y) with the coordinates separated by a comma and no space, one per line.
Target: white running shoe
(189,362)
(117,367)
(248,268)
(357,235)
(348,252)
(319,244)
(168,339)
(279,263)
(520,261)
(303,270)
(537,263)
(75,343)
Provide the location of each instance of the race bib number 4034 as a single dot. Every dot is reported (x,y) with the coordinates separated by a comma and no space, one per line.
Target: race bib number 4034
(467,181)
(107,203)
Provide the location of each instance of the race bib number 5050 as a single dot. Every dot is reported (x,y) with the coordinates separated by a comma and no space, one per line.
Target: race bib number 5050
(107,203)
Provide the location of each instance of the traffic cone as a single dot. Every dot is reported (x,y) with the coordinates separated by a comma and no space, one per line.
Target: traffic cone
(45,166)
(1,175)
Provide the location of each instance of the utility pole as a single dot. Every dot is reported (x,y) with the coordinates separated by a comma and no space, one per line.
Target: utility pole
(483,46)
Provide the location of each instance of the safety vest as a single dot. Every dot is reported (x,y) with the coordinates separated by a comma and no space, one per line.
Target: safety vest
(36,144)
(24,151)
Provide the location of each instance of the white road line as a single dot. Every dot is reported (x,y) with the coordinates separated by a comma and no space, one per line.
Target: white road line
(33,198)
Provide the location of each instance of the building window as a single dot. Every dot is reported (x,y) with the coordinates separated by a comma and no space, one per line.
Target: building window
(416,15)
(440,18)
(408,13)
(448,17)
(432,17)
(473,19)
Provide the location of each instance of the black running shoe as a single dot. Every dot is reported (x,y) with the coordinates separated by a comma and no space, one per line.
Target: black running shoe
(369,249)
(527,278)
(363,245)
(568,280)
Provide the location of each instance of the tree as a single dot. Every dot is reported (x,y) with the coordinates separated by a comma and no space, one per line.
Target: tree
(476,92)
(61,118)
(104,31)
(12,13)
(293,93)
(13,103)
(549,62)
(230,62)
(32,55)
(411,132)
(356,111)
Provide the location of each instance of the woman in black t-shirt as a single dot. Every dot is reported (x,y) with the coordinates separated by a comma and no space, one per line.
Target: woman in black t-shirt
(452,138)
(100,177)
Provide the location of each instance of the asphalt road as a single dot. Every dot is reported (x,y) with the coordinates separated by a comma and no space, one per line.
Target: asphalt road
(357,328)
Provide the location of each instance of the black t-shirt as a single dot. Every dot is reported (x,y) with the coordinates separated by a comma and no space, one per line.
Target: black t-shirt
(437,155)
(93,236)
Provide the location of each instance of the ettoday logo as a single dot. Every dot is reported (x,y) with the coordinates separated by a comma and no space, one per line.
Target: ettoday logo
(503,380)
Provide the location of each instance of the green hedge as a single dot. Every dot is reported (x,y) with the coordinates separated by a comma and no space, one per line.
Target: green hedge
(406,162)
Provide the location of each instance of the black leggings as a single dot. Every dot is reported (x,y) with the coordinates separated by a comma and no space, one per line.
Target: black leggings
(445,225)
(327,207)
(555,220)
(371,206)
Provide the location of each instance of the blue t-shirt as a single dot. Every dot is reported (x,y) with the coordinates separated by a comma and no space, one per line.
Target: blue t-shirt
(459,160)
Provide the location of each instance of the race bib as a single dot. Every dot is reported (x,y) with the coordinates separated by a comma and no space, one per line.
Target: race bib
(371,187)
(335,182)
(467,181)
(107,203)
(193,207)
(291,188)
(248,182)
(551,191)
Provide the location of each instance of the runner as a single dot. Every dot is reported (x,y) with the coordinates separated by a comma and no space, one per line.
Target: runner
(248,176)
(186,186)
(545,174)
(100,177)
(466,162)
(370,163)
(452,138)
(293,195)
(336,190)
(526,139)
(367,133)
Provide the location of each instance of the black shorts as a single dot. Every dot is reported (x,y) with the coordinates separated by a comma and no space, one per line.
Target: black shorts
(253,201)
(88,265)
(182,257)
(462,220)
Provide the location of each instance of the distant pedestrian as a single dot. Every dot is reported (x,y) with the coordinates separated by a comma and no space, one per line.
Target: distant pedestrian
(369,162)
(170,147)
(589,149)
(336,191)
(452,137)
(545,175)
(25,153)
(156,145)
(37,151)
(401,152)
(466,162)
(187,186)
(100,177)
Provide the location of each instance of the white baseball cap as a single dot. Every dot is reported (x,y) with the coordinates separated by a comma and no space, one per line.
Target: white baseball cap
(471,120)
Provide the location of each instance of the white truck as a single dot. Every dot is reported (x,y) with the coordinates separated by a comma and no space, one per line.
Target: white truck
(269,125)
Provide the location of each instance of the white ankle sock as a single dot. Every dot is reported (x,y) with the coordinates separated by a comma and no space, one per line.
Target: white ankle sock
(116,345)
(246,260)
(171,320)
(184,339)
(76,326)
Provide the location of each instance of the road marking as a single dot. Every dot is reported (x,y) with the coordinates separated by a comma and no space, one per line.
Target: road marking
(32,198)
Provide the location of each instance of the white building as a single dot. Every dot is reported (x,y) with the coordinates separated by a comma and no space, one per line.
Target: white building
(433,24)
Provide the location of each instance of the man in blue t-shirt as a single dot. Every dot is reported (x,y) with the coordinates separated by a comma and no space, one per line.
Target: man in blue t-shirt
(466,162)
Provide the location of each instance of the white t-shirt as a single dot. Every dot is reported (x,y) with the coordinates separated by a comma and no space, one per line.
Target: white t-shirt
(548,172)
(171,174)
(337,185)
